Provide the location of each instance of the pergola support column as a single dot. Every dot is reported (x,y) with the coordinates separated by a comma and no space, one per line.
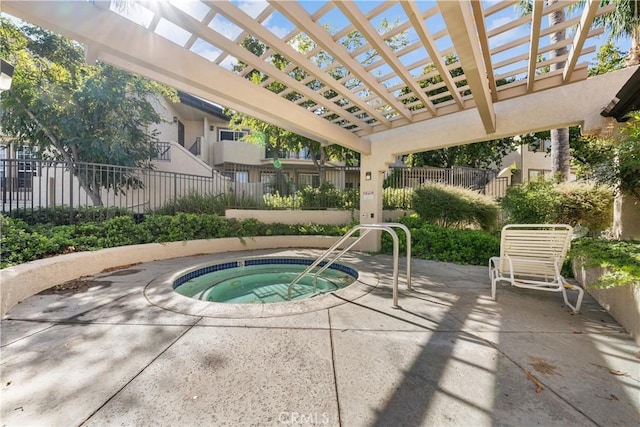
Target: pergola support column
(372,170)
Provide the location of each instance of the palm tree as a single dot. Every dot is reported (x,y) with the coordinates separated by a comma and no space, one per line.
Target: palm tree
(560,155)
(624,22)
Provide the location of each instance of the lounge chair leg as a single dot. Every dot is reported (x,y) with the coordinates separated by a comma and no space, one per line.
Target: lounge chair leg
(492,276)
(565,286)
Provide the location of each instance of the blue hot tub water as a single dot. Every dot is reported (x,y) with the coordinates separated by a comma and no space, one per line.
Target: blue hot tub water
(260,280)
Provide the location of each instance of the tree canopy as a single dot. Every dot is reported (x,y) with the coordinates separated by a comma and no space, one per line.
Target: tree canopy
(283,140)
(75,112)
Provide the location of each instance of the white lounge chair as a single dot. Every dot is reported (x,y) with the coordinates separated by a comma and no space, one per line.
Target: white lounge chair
(531,256)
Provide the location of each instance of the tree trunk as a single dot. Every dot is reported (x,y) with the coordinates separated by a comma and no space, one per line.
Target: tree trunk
(634,53)
(560,153)
(319,163)
(94,193)
(559,137)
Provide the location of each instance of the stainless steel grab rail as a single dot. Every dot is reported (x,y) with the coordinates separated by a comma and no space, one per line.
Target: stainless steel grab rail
(388,227)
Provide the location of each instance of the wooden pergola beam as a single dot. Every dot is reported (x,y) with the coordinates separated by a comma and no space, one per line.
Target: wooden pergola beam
(460,23)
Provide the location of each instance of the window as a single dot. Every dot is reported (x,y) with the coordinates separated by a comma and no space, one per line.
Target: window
(308,180)
(268,180)
(3,156)
(241,177)
(26,168)
(231,135)
(538,173)
(540,145)
(275,182)
(238,176)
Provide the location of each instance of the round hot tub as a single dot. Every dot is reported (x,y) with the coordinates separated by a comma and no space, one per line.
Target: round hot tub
(258,286)
(262,280)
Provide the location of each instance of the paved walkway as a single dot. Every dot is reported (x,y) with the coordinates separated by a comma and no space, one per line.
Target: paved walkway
(102,351)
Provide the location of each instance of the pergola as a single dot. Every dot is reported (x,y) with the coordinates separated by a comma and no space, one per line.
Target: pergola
(464,71)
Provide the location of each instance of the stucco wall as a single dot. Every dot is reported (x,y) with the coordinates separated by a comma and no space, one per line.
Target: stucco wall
(622,302)
(292,217)
(626,217)
(168,130)
(237,152)
(182,161)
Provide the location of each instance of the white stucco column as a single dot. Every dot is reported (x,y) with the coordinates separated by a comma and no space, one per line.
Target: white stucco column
(371,178)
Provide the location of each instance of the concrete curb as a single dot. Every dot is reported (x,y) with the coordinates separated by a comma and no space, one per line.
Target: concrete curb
(24,280)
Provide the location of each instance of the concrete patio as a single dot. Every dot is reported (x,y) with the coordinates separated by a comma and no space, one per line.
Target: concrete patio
(103,351)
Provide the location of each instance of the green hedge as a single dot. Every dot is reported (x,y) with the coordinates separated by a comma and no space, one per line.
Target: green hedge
(207,203)
(545,202)
(64,215)
(21,242)
(329,197)
(433,242)
(455,207)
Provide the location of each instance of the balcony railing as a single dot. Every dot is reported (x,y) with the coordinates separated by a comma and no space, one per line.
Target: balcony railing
(163,151)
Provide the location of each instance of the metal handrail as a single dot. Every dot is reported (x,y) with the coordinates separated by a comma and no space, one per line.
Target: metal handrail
(388,227)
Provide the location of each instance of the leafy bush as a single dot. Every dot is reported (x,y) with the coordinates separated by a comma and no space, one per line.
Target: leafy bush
(61,215)
(586,205)
(397,198)
(310,198)
(611,158)
(535,202)
(619,258)
(276,201)
(455,207)
(433,242)
(327,196)
(21,242)
(545,202)
(198,203)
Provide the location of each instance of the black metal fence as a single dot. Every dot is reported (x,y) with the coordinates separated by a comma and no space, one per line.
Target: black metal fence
(34,184)
(481,180)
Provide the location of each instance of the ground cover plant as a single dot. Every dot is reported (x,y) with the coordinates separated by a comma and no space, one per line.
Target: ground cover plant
(65,215)
(620,260)
(203,203)
(21,242)
(437,243)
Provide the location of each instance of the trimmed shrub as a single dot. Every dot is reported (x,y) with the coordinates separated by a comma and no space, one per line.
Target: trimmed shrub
(203,203)
(455,207)
(586,205)
(535,202)
(64,215)
(433,242)
(545,202)
(20,242)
